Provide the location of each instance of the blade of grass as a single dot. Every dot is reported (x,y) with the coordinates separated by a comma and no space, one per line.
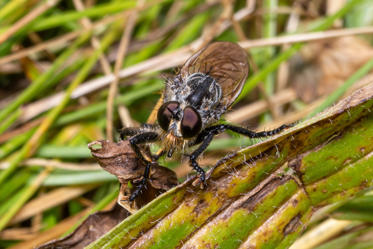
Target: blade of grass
(99,206)
(121,54)
(69,16)
(325,230)
(29,148)
(9,121)
(88,177)
(29,191)
(94,109)
(11,201)
(15,143)
(27,20)
(58,151)
(16,182)
(10,7)
(53,198)
(189,32)
(365,69)
(269,30)
(39,84)
(274,64)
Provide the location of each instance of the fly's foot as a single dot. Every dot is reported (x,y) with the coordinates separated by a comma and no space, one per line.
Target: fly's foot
(139,189)
(202,175)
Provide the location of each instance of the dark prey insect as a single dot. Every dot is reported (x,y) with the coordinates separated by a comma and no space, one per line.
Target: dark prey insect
(193,101)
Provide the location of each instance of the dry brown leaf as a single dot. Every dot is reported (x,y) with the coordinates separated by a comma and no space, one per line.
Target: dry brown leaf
(120,160)
(91,229)
(321,67)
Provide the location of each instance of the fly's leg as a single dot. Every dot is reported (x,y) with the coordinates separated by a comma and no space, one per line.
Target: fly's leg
(132,131)
(253,134)
(193,157)
(206,136)
(129,132)
(142,138)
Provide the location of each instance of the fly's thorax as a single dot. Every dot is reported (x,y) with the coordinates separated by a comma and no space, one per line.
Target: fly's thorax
(200,91)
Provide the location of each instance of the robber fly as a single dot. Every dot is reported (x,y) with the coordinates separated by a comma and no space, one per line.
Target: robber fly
(193,101)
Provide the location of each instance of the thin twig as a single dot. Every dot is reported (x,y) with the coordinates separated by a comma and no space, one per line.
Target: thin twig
(21,233)
(252,110)
(27,19)
(36,39)
(292,117)
(87,24)
(60,41)
(125,116)
(123,48)
(227,14)
(49,200)
(306,37)
(54,232)
(64,39)
(55,164)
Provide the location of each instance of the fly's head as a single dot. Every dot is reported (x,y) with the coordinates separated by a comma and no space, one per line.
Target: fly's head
(180,122)
(189,105)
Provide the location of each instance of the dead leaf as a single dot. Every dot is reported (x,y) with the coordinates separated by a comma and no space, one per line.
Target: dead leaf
(120,160)
(92,228)
(321,67)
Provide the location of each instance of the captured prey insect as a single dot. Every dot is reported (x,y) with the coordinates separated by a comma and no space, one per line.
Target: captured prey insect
(193,101)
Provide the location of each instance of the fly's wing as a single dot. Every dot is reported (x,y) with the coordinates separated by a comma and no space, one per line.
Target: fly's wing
(226,62)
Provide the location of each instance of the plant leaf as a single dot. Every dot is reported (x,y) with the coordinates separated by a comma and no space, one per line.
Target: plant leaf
(263,195)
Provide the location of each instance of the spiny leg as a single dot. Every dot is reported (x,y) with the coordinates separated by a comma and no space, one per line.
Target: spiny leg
(129,132)
(193,157)
(217,129)
(132,131)
(206,136)
(142,138)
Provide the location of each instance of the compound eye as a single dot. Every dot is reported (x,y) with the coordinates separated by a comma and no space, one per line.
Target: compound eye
(165,114)
(191,123)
